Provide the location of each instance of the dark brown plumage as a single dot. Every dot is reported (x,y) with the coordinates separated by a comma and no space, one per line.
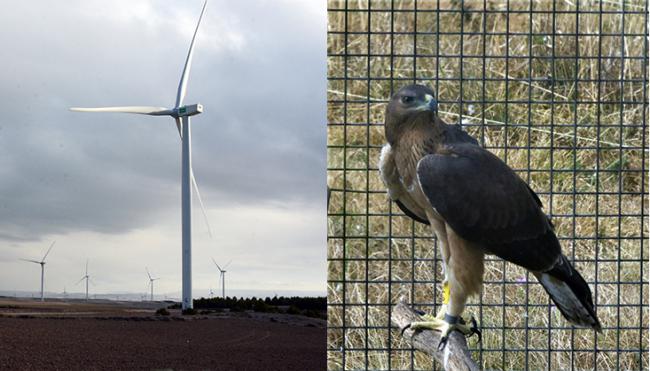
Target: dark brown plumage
(438,175)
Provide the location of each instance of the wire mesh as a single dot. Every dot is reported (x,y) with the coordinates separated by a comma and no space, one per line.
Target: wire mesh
(558,90)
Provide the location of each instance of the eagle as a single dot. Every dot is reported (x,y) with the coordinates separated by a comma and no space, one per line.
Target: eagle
(439,175)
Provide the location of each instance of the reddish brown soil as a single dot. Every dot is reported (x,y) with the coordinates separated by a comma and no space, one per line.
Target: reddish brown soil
(115,341)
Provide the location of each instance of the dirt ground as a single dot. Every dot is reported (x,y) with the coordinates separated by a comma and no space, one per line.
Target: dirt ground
(118,336)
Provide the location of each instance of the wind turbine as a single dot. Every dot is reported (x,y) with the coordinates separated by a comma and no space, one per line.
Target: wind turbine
(181,114)
(87,278)
(42,263)
(151,282)
(222,276)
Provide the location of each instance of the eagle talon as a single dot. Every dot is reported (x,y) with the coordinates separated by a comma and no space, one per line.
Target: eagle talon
(442,343)
(445,324)
(474,329)
(404,329)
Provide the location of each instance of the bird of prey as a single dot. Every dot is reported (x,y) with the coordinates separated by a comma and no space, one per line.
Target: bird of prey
(476,205)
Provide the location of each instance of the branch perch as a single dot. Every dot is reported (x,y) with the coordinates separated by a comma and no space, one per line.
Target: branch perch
(454,357)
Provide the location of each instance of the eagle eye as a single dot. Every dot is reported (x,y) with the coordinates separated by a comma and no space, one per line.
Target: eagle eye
(407,99)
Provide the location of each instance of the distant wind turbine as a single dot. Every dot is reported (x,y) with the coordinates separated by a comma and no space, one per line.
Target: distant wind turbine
(42,263)
(181,113)
(151,279)
(87,278)
(222,277)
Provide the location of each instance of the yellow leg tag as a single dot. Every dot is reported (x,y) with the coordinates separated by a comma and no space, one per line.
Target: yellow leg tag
(445,292)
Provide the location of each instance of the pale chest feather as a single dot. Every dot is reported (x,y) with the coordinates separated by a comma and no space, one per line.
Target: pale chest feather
(411,147)
(410,151)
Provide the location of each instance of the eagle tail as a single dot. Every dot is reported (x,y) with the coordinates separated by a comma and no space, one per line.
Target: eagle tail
(570,293)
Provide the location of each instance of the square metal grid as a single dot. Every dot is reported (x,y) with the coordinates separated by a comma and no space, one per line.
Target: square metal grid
(558,90)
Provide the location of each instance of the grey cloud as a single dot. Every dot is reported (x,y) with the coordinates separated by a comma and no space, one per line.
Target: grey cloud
(261,140)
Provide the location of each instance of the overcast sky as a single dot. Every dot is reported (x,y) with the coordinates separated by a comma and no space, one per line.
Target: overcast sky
(106,186)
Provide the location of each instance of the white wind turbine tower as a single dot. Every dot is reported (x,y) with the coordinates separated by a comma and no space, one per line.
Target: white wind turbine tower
(222,277)
(42,263)
(87,278)
(181,114)
(151,279)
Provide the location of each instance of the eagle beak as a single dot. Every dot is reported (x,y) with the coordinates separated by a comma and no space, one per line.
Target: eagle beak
(432,104)
(429,104)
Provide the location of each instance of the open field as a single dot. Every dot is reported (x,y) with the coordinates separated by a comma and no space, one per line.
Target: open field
(561,104)
(77,335)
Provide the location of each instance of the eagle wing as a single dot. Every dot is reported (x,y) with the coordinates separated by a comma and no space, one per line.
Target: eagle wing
(485,202)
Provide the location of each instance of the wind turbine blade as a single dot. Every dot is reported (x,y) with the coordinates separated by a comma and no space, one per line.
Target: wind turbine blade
(143,110)
(147,269)
(198,196)
(182,86)
(31,261)
(86,267)
(196,187)
(48,251)
(226,266)
(179,127)
(82,278)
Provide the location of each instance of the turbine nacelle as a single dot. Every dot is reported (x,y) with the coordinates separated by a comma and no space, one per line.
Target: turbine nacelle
(188,110)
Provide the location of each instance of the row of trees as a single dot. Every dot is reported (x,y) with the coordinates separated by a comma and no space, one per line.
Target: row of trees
(309,306)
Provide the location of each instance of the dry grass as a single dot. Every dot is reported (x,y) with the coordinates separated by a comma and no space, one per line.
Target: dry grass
(566,151)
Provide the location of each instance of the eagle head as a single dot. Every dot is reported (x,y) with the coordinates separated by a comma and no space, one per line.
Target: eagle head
(408,103)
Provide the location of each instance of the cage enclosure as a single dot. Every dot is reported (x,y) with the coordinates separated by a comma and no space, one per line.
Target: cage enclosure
(558,90)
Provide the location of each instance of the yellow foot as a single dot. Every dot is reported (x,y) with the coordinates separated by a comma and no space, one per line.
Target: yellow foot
(445,324)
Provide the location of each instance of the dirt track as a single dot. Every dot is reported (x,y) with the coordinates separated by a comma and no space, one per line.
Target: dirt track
(218,343)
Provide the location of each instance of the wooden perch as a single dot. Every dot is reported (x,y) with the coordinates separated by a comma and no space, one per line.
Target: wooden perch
(454,357)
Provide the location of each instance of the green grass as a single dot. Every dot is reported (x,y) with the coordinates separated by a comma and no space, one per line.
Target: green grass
(592,139)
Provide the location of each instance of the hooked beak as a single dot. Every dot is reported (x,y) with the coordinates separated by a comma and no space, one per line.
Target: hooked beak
(430,104)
